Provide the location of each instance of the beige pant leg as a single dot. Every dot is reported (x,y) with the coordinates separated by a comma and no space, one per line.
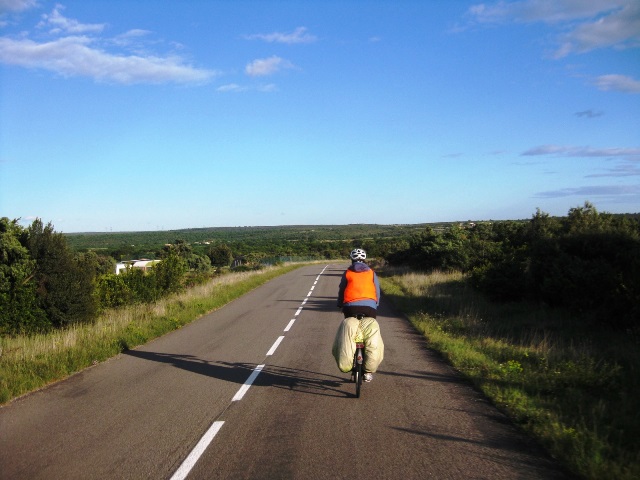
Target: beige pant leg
(374,346)
(344,345)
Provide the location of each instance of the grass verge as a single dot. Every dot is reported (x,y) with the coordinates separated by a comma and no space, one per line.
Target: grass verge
(28,363)
(575,390)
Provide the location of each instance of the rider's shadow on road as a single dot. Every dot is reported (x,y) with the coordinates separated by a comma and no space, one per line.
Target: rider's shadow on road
(301,381)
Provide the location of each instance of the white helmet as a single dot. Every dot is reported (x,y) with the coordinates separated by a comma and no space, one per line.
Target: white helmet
(358,254)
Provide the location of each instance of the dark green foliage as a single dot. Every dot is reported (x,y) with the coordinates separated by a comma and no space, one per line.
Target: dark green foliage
(96,264)
(64,284)
(194,262)
(114,291)
(199,263)
(169,274)
(588,262)
(137,286)
(318,241)
(590,266)
(220,255)
(19,308)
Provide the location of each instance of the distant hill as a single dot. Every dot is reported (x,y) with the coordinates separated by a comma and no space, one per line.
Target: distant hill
(110,240)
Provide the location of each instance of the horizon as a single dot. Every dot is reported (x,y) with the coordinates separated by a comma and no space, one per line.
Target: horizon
(342,224)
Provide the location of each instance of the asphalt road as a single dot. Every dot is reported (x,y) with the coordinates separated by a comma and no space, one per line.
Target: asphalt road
(182,406)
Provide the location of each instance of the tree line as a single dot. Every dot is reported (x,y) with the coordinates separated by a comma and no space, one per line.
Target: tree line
(587,262)
(51,280)
(45,284)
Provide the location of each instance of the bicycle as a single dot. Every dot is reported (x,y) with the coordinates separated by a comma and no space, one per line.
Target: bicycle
(357,372)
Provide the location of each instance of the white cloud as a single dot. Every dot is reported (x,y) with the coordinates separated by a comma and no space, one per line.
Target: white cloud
(619,83)
(61,24)
(620,29)
(78,50)
(549,11)
(267,66)
(7,6)
(235,88)
(231,87)
(299,35)
(132,36)
(586,24)
(75,56)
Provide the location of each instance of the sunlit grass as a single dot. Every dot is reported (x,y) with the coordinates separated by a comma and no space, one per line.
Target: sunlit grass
(575,390)
(31,362)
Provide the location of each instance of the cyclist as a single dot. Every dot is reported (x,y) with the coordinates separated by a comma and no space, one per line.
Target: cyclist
(359,297)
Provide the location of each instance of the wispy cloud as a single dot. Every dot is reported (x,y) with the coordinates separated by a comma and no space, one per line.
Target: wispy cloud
(581,25)
(235,88)
(593,191)
(75,50)
(75,56)
(231,87)
(619,83)
(589,113)
(131,37)
(267,66)
(569,151)
(56,22)
(549,11)
(8,6)
(617,28)
(299,35)
(630,169)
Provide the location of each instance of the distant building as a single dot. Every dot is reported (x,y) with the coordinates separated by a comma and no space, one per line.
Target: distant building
(142,264)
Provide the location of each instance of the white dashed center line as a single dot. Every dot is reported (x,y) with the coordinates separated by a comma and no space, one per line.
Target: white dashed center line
(207,438)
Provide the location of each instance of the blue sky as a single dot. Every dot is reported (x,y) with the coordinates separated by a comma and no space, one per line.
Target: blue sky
(146,115)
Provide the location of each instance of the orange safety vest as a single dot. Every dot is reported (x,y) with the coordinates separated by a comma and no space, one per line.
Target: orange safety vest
(360,286)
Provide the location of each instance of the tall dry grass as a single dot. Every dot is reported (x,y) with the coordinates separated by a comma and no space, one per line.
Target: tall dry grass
(31,362)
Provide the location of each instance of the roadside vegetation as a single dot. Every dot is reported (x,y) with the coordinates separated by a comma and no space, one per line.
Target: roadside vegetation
(544,317)
(572,386)
(29,362)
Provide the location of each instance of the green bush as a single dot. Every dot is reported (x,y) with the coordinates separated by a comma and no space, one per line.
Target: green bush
(113,291)
(587,262)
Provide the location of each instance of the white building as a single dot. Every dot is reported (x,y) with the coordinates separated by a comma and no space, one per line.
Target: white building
(143,265)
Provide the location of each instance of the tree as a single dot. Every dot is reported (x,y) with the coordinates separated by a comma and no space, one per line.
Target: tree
(169,273)
(64,285)
(179,247)
(114,291)
(19,308)
(220,255)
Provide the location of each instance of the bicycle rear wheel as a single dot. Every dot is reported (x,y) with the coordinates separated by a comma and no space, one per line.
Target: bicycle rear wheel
(358,368)
(358,379)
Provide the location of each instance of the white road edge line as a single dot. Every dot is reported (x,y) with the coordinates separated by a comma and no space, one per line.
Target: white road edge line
(197,451)
(275,345)
(244,388)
